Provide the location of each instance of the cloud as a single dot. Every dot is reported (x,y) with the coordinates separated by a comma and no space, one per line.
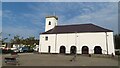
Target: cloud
(33,18)
(21,31)
(0,21)
(33,22)
(119,17)
(0,13)
(60,0)
(66,10)
(106,17)
(20,24)
(0,17)
(8,17)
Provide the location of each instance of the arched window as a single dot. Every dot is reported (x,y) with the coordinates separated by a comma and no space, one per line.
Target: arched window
(49,22)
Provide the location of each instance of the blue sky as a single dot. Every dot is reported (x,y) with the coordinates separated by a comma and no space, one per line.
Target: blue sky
(0,16)
(28,18)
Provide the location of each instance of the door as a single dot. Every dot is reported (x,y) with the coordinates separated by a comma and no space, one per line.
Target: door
(73,50)
(85,50)
(49,47)
(62,49)
(97,50)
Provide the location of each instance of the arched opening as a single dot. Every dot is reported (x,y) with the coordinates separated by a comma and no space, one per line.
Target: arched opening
(73,50)
(97,50)
(85,50)
(49,22)
(62,49)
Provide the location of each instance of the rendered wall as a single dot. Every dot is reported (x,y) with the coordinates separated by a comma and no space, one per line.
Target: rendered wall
(79,40)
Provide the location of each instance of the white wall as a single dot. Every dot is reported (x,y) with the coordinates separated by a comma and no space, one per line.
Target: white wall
(66,40)
(79,40)
(43,45)
(53,23)
(111,47)
(91,40)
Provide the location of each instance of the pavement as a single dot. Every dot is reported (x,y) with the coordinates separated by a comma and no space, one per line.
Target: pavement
(31,59)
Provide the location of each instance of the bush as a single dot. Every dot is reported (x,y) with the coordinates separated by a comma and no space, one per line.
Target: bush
(117,53)
(30,50)
(7,51)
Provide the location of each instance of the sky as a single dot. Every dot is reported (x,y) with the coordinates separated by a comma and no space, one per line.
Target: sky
(60,0)
(28,18)
(0,20)
(118,18)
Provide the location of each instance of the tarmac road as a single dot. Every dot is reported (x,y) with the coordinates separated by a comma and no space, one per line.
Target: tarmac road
(30,59)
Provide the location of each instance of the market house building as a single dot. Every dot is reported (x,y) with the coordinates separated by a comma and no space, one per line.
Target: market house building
(76,38)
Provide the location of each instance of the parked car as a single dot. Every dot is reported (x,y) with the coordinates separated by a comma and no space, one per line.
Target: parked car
(6,51)
(117,51)
(23,49)
(16,50)
(36,48)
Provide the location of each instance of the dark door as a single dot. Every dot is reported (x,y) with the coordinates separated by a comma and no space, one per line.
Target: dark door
(49,49)
(85,50)
(62,49)
(73,50)
(97,50)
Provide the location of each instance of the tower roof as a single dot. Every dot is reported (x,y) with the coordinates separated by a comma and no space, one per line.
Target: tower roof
(52,17)
(78,28)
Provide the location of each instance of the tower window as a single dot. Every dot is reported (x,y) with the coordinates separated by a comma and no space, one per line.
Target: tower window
(49,23)
(46,38)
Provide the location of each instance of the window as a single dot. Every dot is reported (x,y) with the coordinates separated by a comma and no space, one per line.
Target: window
(49,23)
(46,38)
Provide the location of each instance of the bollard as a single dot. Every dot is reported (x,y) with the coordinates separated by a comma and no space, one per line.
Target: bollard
(112,55)
(89,55)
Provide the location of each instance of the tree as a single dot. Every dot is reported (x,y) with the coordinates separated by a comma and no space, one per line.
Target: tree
(117,41)
(27,41)
(3,40)
(16,40)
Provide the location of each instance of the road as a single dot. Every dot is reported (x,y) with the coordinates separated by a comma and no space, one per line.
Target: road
(30,59)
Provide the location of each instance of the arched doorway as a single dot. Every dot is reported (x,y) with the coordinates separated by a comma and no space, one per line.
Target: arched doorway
(62,49)
(97,50)
(85,50)
(73,50)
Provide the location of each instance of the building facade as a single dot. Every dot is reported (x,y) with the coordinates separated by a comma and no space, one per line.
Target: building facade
(78,38)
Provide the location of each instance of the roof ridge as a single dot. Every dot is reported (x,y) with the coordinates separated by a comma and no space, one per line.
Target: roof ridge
(76,24)
(101,27)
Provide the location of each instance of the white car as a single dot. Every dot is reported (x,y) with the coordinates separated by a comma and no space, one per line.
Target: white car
(36,48)
(16,50)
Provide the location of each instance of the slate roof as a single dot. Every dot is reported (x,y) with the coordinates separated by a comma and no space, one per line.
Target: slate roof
(78,28)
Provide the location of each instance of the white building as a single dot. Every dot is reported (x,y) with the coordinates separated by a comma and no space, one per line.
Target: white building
(79,38)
